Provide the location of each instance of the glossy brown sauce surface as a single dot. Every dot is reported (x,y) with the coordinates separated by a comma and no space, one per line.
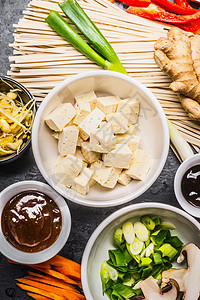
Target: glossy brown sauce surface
(190,185)
(31,221)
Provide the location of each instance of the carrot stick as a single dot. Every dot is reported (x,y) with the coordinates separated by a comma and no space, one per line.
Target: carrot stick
(40,292)
(52,282)
(38,297)
(66,266)
(57,275)
(66,271)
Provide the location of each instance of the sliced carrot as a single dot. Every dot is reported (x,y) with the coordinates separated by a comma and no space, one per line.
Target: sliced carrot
(57,275)
(40,292)
(45,287)
(66,266)
(52,282)
(38,297)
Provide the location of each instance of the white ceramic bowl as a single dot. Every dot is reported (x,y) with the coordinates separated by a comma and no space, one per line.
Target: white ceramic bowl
(96,251)
(153,130)
(187,164)
(34,258)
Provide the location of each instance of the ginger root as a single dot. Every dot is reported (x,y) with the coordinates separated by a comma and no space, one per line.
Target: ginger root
(178,55)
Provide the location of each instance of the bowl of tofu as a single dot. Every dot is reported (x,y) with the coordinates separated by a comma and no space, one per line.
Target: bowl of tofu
(100,138)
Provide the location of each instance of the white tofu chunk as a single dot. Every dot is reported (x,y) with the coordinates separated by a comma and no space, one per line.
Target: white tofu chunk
(81,115)
(102,139)
(60,117)
(140,165)
(79,155)
(68,140)
(82,181)
(118,121)
(67,169)
(120,157)
(108,104)
(80,141)
(124,179)
(105,176)
(91,122)
(132,129)
(90,156)
(132,141)
(130,108)
(86,99)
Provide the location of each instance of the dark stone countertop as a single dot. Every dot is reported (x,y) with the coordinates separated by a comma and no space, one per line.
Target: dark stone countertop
(84,219)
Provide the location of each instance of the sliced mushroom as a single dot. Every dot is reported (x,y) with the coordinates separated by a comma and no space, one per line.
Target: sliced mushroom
(152,291)
(188,279)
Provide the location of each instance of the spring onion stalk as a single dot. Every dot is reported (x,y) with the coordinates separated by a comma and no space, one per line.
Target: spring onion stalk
(129,235)
(182,147)
(105,55)
(80,19)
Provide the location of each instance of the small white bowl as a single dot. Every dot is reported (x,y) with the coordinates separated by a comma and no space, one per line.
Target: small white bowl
(96,251)
(153,130)
(187,164)
(34,258)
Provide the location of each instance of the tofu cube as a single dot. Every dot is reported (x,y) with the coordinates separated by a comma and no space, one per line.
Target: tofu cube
(79,155)
(68,140)
(132,129)
(124,179)
(88,98)
(130,108)
(105,176)
(80,141)
(60,116)
(90,156)
(140,165)
(67,169)
(120,157)
(83,111)
(91,122)
(82,181)
(118,121)
(102,139)
(132,141)
(108,104)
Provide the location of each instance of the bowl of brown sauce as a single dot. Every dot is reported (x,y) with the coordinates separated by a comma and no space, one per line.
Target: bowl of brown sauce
(35,222)
(187,185)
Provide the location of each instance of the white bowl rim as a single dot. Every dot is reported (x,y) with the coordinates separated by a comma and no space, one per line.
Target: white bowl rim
(124,199)
(44,255)
(187,164)
(113,217)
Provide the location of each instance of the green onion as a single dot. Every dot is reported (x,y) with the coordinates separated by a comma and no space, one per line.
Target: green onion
(182,147)
(168,250)
(157,258)
(105,55)
(145,261)
(118,237)
(123,290)
(148,222)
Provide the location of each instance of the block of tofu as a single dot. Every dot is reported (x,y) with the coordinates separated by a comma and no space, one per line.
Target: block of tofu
(90,156)
(105,176)
(68,140)
(132,129)
(88,98)
(120,157)
(132,141)
(83,109)
(80,141)
(124,179)
(102,139)
(91,122)
(130,108)
(108,104)
(60,116)
(118,121)
(79,155)
(140,165)
(67,169)
(82,181)
(130,132)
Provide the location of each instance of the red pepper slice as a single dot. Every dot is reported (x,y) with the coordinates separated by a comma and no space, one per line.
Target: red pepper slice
(192,26)
(153,12)
(175,8)
(139,3)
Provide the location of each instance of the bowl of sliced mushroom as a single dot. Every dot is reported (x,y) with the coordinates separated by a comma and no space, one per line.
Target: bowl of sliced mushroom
(17,109)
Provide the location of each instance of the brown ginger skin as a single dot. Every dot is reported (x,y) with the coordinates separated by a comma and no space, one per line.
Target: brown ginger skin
(178,55)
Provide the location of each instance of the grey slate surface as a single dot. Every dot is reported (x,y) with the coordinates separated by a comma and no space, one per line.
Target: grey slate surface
(84,219)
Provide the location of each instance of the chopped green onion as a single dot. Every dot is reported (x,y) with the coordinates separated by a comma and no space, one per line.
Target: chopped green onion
(148,222)
(166,225)
(128,231)
(145,261)
(157,258)
(168,250)
(149,250)
(157,221)
(123,290)
(141,231)
(118,237)
(160,237)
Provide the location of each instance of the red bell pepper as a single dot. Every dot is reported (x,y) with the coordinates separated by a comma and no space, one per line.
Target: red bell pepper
(154,12)
(139,3)
(192,26)
(175,8)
